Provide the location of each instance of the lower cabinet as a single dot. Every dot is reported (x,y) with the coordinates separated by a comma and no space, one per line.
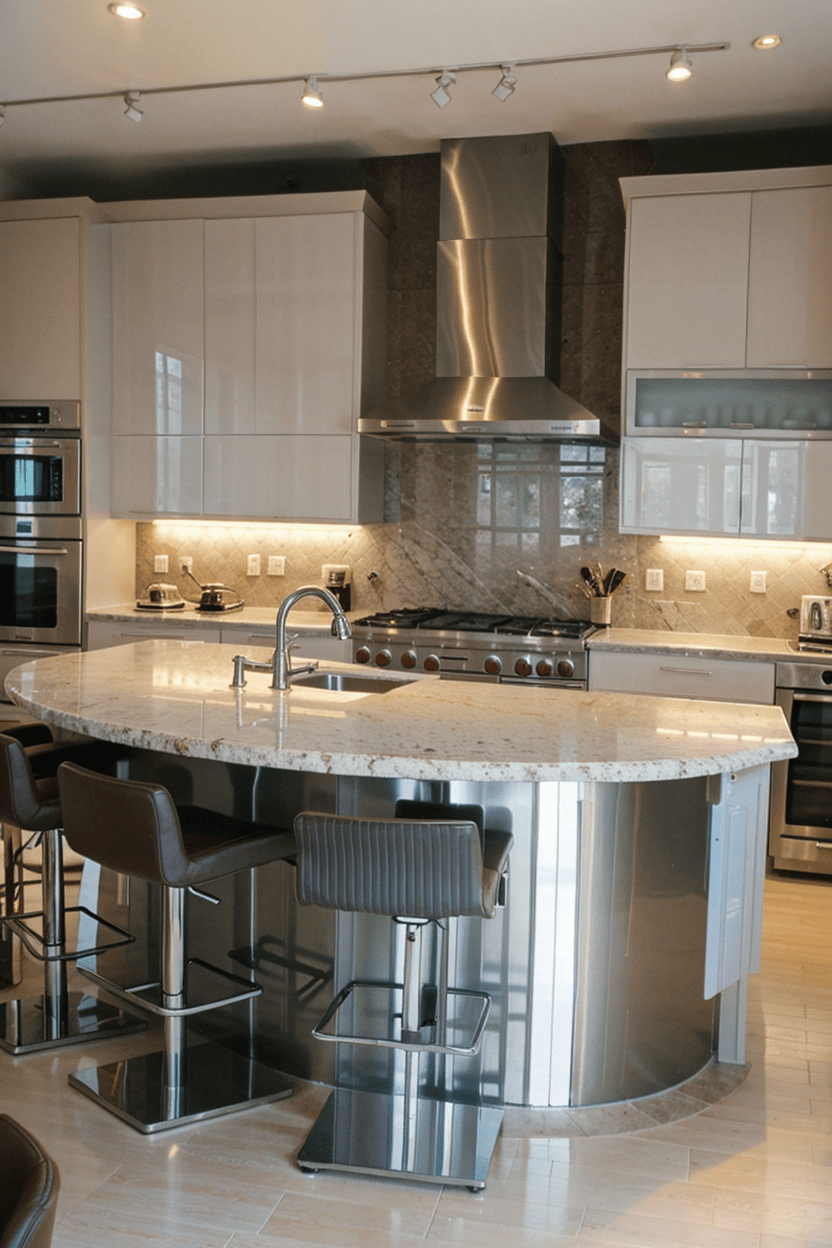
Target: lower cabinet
(669,676)
(104,633)
(310,645)
(317,644)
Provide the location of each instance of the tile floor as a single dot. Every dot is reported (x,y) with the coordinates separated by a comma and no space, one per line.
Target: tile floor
(752,1171)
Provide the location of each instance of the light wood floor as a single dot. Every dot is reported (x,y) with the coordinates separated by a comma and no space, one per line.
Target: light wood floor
(754,1171)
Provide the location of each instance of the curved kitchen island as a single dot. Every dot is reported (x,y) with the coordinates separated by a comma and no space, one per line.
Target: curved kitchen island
(618,966)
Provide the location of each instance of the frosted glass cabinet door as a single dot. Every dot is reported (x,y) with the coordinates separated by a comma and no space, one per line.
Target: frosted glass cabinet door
(790,281)
(687,283)
(279,478)
(680,485)
(157,287)
(307,323)
(156,476)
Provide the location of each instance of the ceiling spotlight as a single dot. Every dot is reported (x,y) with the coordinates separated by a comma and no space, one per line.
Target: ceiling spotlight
(310,96)
(767,41)
(505,87)
(440,96)
(2,114)
(680,67)
(133,99)
(131,11)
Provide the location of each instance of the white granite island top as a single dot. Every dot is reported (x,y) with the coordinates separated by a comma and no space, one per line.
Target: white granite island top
(174,696)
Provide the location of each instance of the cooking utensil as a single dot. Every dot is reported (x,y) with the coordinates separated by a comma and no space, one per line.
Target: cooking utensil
(591,581)
(616,579)
(584,588)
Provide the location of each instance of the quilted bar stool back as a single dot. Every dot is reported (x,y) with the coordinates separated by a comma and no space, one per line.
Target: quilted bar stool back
(179,849)
(419,872)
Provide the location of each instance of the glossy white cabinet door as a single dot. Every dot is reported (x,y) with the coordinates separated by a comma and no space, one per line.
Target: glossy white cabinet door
(287,477)
(40,324)
(156,476)
(687,281)
(816,493)
(681,485)
(790,278)
(230,326)
(772,488)
(101,634)
(308,323)
(157,283)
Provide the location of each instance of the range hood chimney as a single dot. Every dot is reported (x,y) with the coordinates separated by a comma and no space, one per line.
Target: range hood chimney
(499,271)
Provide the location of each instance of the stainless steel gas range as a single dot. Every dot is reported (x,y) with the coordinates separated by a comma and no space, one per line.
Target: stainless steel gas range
(514,649)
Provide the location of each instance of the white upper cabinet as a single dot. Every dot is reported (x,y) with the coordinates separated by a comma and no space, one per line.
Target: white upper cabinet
(790,279)
(40,322)
(230,326)
(687,288)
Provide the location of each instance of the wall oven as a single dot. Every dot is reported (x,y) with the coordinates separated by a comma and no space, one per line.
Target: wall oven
(40,459)
(800,828)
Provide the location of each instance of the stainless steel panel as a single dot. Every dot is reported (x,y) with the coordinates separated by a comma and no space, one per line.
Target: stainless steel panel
(511,186)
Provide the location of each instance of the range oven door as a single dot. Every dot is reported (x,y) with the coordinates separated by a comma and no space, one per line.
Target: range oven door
(40,476)
(800,824)
(40,581)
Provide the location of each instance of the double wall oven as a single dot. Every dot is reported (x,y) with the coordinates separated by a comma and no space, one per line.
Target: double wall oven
(41,549)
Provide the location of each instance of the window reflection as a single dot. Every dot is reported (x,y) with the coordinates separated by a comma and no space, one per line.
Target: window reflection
(529,490)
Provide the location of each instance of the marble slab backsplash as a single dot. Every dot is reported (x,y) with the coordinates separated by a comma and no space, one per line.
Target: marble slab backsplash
(460,527)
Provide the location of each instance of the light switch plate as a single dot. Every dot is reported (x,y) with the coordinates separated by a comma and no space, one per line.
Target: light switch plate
(758,583)
(277,565)
(695,581)
(654,578)
(160,563)
(253,565)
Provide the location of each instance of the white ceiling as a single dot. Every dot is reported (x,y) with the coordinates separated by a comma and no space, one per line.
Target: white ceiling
(69,47)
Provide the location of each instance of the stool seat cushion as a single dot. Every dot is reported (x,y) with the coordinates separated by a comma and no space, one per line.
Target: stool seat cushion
(135,828)
(28,1189)
(418,869)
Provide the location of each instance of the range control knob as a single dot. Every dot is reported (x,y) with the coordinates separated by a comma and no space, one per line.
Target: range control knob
(544,667)
(523,667)
(384,658)
(431,663)
(566,668)
(492,665)
(362,655)
(408,659)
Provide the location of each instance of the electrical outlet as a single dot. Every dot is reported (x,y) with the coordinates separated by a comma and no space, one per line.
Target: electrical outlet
(327,568)
(695,581)
(654,578)
(160,563)
(186,563)
(758,583)
(253,565)
(277,565)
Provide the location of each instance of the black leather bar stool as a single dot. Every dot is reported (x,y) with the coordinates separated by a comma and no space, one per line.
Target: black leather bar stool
(29,800)
(29,1184)
(419,872)
(134,828)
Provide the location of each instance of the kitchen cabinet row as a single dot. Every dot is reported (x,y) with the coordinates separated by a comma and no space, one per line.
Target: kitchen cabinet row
(312,643)
(670,675)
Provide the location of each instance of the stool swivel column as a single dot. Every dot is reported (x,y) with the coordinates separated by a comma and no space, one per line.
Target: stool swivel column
(419,872)
(180,849)
(29,799)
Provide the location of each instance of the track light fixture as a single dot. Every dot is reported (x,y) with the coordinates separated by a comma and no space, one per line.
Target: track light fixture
(133,99)
(131,12)
(310,96)
(505,87)
(680,67)
(2,114)
(441,96)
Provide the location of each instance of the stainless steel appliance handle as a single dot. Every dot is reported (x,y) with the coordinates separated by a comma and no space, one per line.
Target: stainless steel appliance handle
(813,697)
(39,442)
(687,671)
(32,550)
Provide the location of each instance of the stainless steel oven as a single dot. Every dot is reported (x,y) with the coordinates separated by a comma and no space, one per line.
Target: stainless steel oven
(800,825)
(40,588)
(40,459)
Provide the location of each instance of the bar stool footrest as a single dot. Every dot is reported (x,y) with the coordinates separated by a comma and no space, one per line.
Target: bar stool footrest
(35,943)
(383,1134)
(149,996)
(25,1025)
(359,988)
(219,1081)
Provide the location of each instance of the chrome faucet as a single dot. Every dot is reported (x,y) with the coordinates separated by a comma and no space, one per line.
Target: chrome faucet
(280,666)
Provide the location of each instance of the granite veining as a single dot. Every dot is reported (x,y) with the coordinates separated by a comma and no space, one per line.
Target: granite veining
(174,696)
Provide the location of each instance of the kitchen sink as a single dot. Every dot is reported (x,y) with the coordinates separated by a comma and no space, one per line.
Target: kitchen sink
(345,682)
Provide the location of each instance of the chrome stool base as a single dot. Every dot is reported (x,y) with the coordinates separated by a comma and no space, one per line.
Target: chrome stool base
(219,1081)
(394,1136)
(28,1026)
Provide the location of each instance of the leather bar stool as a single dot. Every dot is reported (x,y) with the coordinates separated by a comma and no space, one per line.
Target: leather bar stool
(29,799)
(179,849)
(419,872)
(29,1184)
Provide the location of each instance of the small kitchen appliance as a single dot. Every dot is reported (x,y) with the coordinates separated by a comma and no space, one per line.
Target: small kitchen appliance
(161,597)
(215,596)
(815,623)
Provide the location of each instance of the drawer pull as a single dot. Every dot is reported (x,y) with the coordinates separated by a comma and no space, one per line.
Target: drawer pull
(687,671)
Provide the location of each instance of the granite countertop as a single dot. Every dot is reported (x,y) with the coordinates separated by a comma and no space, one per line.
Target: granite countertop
(309,621)
(174,696)
(700,645)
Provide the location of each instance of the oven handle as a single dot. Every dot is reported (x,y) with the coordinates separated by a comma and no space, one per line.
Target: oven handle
(21,442)
(32,550)
(813,697)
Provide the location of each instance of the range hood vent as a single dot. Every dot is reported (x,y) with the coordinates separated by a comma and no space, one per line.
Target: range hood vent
(499,272)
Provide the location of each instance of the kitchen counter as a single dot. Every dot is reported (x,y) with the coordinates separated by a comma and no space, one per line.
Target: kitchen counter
(243,619)
(700,645)
(174,696)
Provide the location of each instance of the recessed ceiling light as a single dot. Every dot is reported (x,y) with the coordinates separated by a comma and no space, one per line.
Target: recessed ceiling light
(131,11)
(767,41)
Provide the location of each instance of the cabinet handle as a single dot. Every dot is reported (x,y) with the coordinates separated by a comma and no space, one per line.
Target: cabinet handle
(742,424)
(687,671)
(694,424)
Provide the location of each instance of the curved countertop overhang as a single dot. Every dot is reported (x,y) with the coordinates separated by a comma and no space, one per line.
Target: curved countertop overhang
(174,696)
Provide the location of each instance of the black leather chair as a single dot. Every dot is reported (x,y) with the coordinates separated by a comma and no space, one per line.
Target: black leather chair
(29,799)
(178,849)
(29,1184)
(421,871)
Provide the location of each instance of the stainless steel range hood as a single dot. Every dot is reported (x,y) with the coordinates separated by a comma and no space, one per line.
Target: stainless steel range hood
(498,304)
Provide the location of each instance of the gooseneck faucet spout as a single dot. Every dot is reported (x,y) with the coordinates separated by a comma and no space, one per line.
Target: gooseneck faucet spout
(340,628)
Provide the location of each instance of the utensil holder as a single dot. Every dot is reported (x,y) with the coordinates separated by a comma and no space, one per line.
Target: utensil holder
(600,610)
